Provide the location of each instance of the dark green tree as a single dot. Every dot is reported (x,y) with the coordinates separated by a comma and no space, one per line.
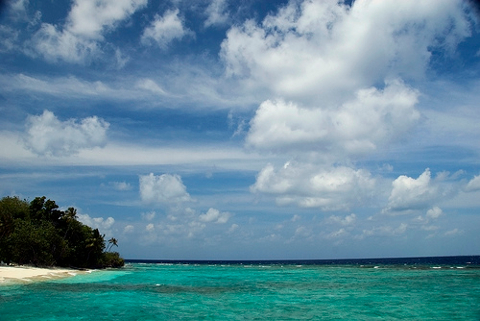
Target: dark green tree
(39,233)
(11,209)
(44,210)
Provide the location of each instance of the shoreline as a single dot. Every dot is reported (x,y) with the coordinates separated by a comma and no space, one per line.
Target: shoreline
(26,274)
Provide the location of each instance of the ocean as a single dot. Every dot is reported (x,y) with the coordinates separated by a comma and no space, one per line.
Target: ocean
(376,289)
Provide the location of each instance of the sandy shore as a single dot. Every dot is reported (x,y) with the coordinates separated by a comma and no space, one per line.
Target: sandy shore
(28,274)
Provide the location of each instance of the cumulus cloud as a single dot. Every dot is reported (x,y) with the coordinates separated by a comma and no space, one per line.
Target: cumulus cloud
(345,221)
(216,13)
(411,194)
(163,189)
(47,135)
(307,185)
(473,185)
(182,224)
(121,186)
(55,44)
(434,213)
(84,28)
(214,215)
(128,229)
(9,38)
(312,50)
(385,230)
(100,223)
(295,218)
(16,9)
(164,29)
(233,228)
(336,234)
(323,63)
(150,227)
(148,216)
(373,118)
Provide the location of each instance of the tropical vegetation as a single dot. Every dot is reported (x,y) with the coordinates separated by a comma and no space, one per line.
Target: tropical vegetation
(40,234)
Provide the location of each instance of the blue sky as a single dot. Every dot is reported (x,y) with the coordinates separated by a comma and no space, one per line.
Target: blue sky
(218,129)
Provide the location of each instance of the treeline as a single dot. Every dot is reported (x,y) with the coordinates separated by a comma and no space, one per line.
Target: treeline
(40,234)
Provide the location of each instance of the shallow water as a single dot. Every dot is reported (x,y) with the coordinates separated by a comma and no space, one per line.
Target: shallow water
(251,292)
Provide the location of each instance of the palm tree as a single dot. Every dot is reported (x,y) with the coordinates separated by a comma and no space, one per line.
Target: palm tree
(70,215)
(96,245)
(113,241)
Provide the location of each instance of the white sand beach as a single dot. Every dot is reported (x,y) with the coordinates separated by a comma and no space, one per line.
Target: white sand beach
(29,274)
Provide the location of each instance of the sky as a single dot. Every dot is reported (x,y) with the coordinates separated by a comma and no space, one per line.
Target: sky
(235,130)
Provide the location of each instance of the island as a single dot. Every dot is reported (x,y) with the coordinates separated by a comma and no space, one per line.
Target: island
(39,234)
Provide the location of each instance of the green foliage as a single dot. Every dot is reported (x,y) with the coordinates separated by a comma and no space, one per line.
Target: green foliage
(113,259)
(11,209)
(39,233)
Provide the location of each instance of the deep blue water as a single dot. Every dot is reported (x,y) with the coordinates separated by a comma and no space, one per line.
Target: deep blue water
(371,289)
(472,260)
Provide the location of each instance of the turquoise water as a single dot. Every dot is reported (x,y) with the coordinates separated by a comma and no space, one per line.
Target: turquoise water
(251,292)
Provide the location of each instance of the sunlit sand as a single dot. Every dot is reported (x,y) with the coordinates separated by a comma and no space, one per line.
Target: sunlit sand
(28,274)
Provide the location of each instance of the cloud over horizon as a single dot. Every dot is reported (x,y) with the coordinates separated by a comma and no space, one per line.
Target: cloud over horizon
(310,186)
(216,129)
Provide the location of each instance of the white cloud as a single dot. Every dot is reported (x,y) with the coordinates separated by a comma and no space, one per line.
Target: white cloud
(90,18)
(122,186)
(373,118)
(80,37)
(217,13)
(346,221)
(314,50)
(336,234)
(148,216)
(47,135)
(100,223)
(434,213)
(214,215)
(9,38)
(199,157)
(410,193)
(302,232)
(55,44)
(322,62)
(453,232)
(151,86)
(150,227)
(430,228)
(233,228)
(17,8)
(163,189)
(128,229)
(182,224)
(164,30)
(307,185)
(120,59)
(189,84)
(473,185)
(64,87)
(385,231)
